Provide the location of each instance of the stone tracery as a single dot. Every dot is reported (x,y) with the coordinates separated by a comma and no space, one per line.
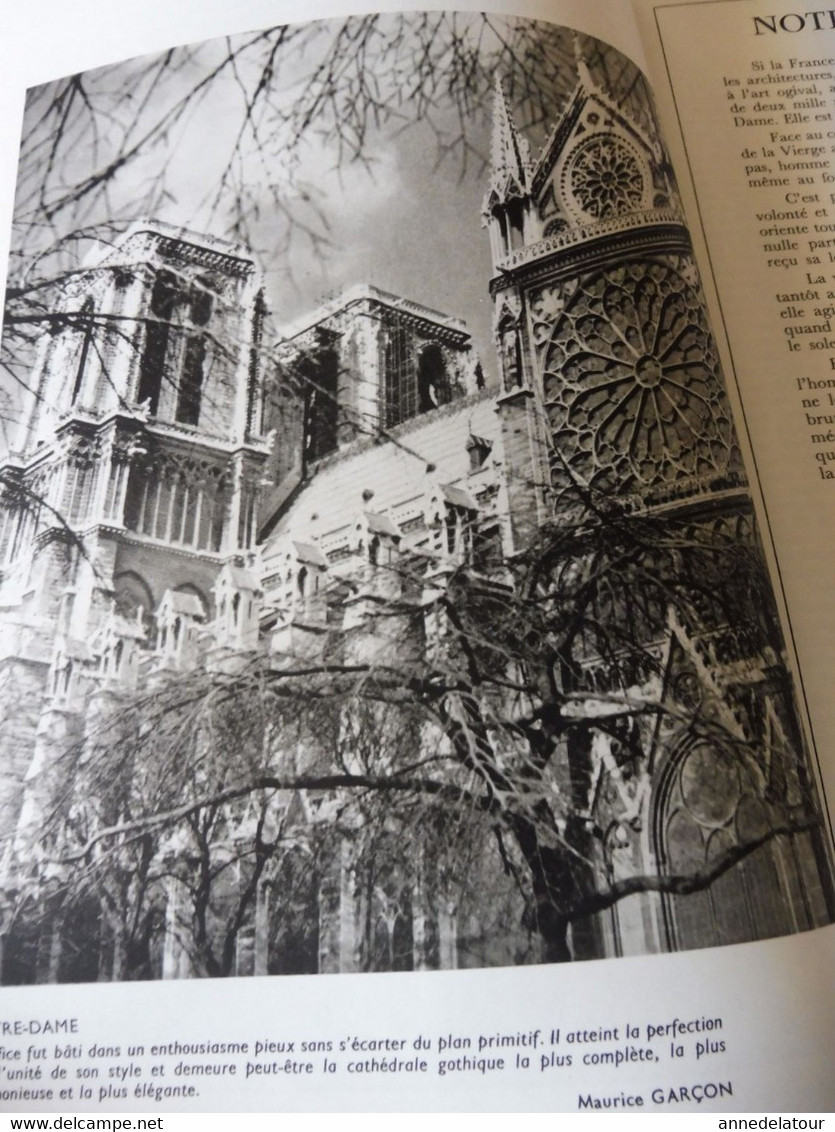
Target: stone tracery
(604,177)
(631,379)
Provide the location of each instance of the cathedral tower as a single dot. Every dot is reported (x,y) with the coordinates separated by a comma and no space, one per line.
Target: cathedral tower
(134,476)
(613,404)
(597,308)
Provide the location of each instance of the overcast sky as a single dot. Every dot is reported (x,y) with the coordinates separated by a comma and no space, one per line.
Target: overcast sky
(400,219)
(403,224)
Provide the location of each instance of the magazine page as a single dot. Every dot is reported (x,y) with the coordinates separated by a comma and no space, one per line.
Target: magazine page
(397,711)
(751,123)
(766,219)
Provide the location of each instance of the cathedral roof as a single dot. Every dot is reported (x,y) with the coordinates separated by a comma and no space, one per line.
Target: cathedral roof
(324,507)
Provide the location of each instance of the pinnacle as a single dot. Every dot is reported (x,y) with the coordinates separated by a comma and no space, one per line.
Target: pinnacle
(510,154)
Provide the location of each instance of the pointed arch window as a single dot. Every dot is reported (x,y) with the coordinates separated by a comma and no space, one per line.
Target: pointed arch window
(158,331)
(176,346)
(195,359)
(711,804)
(400,386)
(415,376)
(320,375)
(432,379)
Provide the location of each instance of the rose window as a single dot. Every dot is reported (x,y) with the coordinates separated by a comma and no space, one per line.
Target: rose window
(631,381)
(605,178)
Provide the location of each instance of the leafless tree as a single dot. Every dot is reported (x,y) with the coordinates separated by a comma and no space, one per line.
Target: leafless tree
(93,159)
(477,744)
(478,738)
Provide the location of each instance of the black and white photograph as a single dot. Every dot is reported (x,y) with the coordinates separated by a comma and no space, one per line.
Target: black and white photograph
(381,587)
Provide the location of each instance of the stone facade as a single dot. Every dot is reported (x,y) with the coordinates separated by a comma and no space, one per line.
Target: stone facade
(175,501)
(611,379)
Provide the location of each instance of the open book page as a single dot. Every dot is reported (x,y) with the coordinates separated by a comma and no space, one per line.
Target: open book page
(397,713)
(748,96)
(756,116)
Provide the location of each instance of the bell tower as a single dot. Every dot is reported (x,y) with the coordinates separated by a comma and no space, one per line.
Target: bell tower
(136,470)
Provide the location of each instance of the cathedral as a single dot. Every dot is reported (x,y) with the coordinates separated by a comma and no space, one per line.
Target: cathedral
(189,494)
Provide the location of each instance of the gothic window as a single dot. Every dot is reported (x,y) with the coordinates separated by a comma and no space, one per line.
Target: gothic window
(516,224)
(135,499)
(159,511)
(175,339)
(180,510)
(400,400)
(433,384)
(218,519)
(176,508)
(631,379)
(415,377)
(191,381)
(320,375)
(605,177)
(157,333)
(458,533)
(195,360)
(78,489)
(712,806)
(189,515)
(246,519)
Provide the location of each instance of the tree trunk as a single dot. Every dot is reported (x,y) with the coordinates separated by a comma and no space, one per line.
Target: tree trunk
(556,879)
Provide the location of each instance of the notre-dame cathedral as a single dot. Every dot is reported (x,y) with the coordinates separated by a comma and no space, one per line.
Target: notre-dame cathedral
(184,487)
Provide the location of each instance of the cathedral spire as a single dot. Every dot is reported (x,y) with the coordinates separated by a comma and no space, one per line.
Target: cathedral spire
(509,153)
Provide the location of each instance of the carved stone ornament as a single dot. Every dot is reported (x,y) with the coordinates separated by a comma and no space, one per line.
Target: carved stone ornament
(631,380)
(604,178)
